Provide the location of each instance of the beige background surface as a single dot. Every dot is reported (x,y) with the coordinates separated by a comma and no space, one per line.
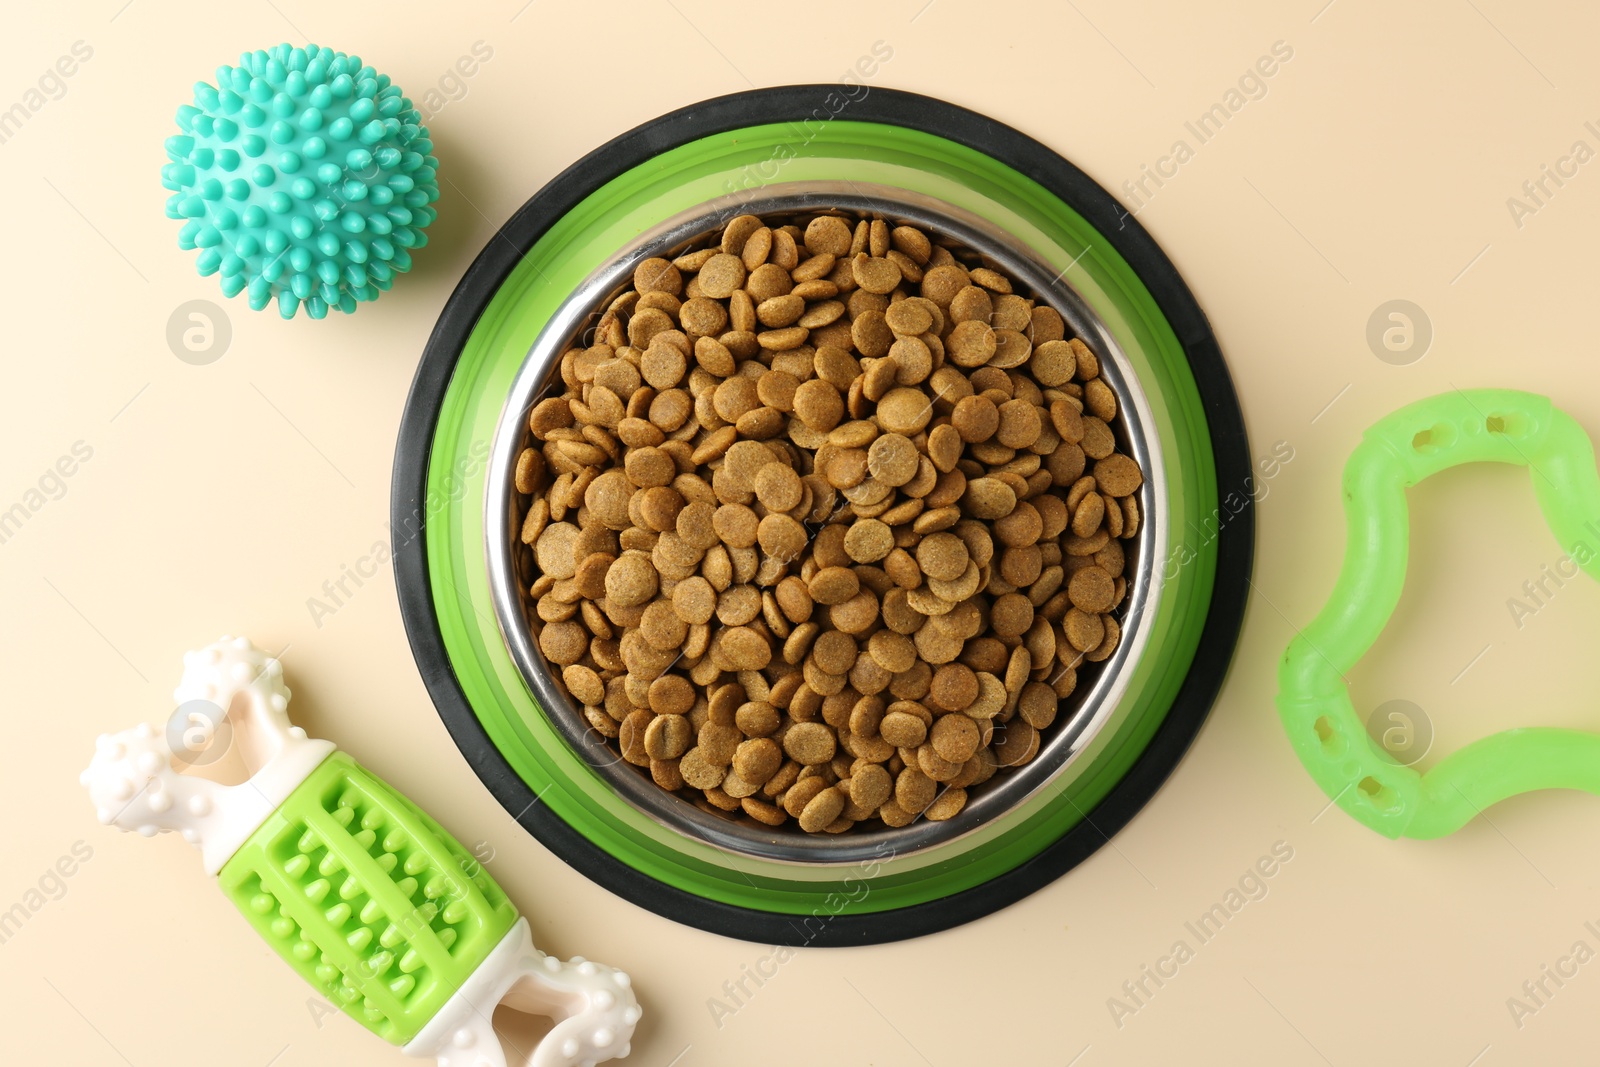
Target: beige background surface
(1377,166)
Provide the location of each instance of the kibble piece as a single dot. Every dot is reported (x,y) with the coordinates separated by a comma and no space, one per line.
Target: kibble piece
(943,556)
(776,389)
(834,652)
(738,605)
(954,687)
(745,649)
(907,319)
(1099,399)
(554,550)
(782,538)
(971,343)
(631,580)
(822,810)
(1118,475)
(1019,424)
(530,468)
(902,729)
(662,626)
(736,525)
(971,304)
(944,447)
(1084,629)
(868,541)
(976,418)
(809,743)
(667,737)
(874,275)
(1011,615)
(757,760)
(904,411)
(657,276)
(1091,589)
(871,787)
(1037,705)
(943,282)
(757,718)
(650,466)
(551,413)
(721,275)
(830,585)
(946,805)
(989,498)
(1053,363)
(702,317)
(871,335)
(914,791)
(1098,441)
(818,405)
(892,459)
(955,738)
(584,684)
(856,615)
(694,600)
(699,771)
(1088,516)
(1016,743)
(778,487)
(828,235)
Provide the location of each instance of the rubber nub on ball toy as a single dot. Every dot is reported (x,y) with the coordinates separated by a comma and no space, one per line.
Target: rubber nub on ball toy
(1416,442)
(359,891)
(302,176)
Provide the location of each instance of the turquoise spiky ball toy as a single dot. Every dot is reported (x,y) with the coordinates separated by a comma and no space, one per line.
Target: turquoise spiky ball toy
(303,175)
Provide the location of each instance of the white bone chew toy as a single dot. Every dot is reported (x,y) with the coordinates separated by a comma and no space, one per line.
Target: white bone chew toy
(355,887)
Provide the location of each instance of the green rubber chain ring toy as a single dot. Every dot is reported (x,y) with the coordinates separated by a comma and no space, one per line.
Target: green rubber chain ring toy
(1419,440)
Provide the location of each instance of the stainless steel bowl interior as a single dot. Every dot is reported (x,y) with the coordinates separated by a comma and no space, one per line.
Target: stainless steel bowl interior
(510,565)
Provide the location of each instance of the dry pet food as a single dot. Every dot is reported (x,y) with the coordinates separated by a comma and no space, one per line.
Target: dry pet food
(824,521)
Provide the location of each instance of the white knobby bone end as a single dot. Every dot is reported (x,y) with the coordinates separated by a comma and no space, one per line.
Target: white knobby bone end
(232,697)
(594,1007)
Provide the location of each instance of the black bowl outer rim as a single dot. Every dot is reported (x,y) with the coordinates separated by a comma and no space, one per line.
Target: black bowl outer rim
(1235,535)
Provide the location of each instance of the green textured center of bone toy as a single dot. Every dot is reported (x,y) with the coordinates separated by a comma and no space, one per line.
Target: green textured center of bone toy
(1419,440)
(367,898)
(302,175)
